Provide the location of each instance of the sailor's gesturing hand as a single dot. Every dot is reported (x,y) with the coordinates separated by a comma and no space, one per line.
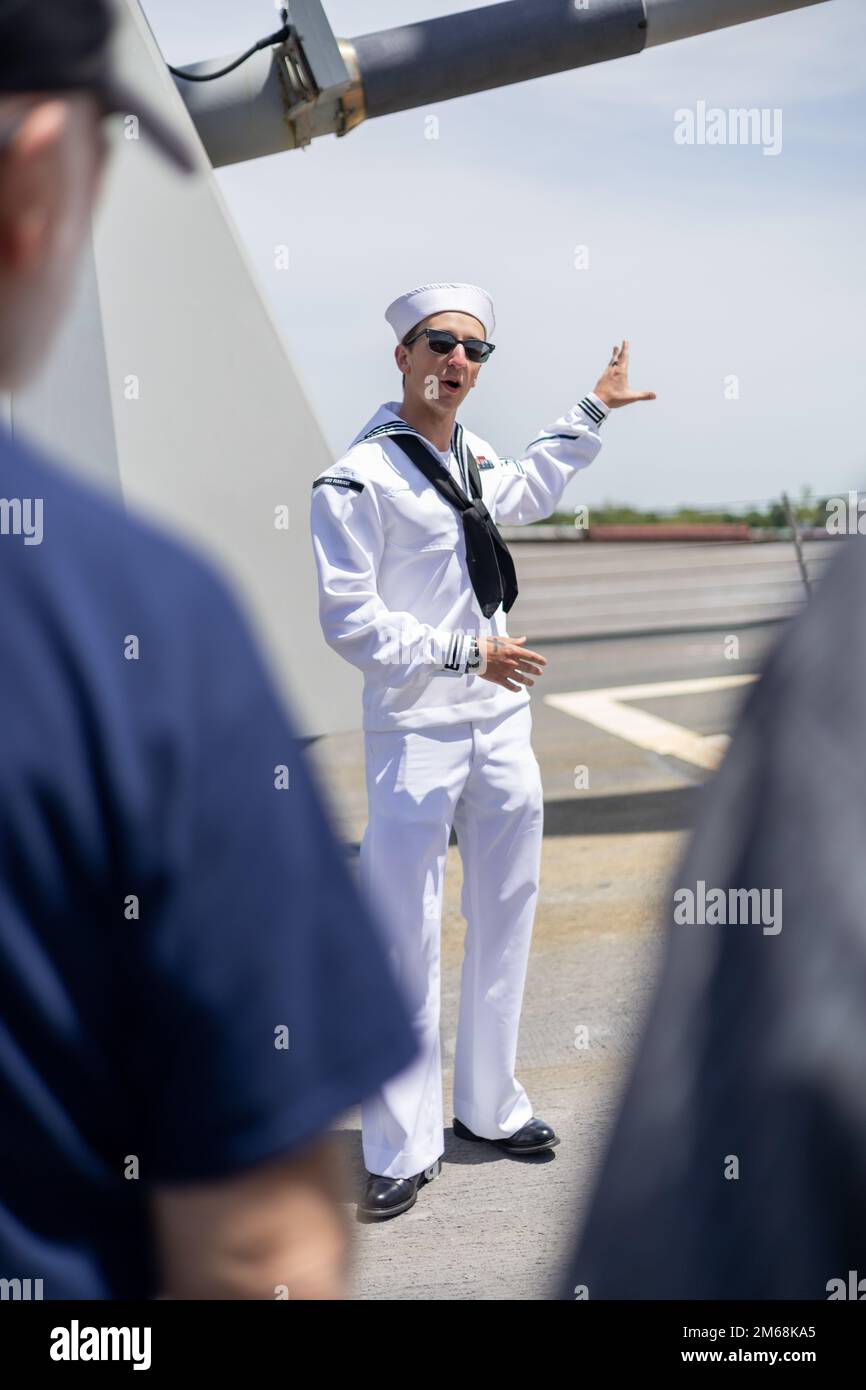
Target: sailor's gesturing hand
(505,662)
(612,386)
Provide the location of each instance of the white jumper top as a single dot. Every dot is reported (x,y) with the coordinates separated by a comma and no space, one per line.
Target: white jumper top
(395,597)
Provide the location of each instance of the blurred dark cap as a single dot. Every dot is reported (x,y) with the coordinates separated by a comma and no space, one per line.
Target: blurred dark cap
(63,46)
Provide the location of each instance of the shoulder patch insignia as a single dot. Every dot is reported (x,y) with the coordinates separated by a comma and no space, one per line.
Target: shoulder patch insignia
(339,481)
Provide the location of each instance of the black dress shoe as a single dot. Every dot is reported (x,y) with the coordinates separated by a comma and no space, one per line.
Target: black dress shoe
(531,1139)
(384,1197)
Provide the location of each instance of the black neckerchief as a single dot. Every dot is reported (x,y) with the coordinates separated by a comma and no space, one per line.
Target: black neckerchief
(491,568)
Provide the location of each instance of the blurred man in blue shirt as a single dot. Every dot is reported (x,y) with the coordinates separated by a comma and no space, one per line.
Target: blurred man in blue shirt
(736,1167)
(190,987)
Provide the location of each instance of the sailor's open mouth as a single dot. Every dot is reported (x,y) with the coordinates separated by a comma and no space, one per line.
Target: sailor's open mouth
(451,384)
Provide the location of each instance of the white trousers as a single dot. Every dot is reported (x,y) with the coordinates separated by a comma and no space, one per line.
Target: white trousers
(483,777)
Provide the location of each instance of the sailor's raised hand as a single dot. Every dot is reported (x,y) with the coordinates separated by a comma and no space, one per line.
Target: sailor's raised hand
(612,386)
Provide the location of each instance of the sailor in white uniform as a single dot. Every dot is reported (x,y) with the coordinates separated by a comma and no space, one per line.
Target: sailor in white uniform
(414,587)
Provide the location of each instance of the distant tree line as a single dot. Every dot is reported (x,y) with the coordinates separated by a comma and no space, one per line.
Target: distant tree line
(770,515)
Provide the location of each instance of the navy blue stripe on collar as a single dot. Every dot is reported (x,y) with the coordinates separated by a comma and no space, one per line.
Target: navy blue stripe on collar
(403,427)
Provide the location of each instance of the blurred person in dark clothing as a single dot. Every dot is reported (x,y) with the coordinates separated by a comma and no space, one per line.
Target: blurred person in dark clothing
(191,988)
(737,1165)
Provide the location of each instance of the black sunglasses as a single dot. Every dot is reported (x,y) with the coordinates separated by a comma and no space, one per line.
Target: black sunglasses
(442,342)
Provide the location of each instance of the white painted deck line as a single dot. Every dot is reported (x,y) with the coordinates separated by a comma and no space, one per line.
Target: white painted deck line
(607,710)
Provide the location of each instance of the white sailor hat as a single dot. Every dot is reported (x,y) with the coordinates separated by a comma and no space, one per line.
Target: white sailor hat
(411,308)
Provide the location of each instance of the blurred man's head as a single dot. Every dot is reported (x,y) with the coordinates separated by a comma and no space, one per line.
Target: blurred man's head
(56,87)
(50,170)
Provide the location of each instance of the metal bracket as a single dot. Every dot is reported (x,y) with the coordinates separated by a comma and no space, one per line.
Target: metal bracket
(312,71)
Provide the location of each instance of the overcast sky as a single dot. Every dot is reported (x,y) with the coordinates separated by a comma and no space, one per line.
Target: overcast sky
(716,261)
